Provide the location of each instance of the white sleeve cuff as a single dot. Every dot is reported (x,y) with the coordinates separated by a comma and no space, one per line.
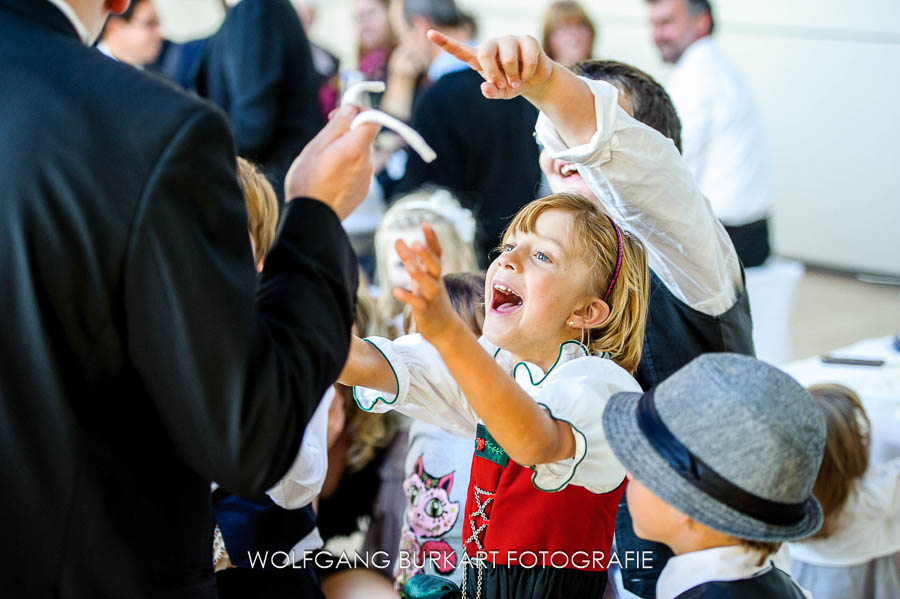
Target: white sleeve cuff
(373,400)
(600,467)
(554,477)
(598,150)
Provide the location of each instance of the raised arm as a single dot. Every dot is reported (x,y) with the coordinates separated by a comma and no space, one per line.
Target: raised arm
(516,66)
(524,429)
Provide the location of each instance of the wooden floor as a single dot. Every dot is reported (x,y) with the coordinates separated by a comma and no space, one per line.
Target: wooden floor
(832,311)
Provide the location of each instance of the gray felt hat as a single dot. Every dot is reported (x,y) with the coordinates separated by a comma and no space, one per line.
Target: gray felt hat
(730,441)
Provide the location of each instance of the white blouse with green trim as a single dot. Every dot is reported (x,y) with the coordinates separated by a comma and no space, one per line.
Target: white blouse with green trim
(574,390)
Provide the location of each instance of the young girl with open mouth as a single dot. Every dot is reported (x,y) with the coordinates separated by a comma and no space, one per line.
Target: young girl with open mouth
(565,311)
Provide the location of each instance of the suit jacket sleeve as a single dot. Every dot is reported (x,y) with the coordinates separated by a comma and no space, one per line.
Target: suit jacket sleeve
(236,367)
(255,67)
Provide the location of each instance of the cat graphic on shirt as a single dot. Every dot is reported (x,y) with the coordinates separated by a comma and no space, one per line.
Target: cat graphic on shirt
(429,516)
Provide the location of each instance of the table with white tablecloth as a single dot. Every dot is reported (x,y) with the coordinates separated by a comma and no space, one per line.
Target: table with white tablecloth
(877,386)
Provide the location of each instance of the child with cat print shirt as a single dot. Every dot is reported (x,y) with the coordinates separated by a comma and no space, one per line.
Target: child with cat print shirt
(437,467)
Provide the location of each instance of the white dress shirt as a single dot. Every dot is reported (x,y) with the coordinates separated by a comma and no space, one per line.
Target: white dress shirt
(69,12)
(642,182)
(869,525)
(722,134)
(303,482)
(575,389)
(688,570)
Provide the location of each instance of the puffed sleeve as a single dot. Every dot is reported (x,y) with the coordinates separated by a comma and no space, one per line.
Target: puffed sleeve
(425,389)
(576,393)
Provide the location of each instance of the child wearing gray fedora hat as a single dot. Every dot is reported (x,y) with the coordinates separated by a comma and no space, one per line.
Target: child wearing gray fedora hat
(721,460)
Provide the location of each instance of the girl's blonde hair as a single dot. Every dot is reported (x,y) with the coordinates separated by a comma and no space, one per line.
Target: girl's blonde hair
(621,335)
(846,456)
(262,206)
(453,224)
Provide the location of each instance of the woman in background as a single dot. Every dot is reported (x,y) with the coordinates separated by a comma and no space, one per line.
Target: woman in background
(569,34)
(375,38)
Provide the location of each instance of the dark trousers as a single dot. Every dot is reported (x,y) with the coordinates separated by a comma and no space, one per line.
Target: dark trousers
(751,242)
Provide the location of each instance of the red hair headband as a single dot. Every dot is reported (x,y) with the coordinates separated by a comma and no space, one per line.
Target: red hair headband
(615,276)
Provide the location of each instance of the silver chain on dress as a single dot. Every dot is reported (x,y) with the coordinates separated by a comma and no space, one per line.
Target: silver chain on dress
(477,561)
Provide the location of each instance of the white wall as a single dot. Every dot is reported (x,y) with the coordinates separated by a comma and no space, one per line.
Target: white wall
(825,74)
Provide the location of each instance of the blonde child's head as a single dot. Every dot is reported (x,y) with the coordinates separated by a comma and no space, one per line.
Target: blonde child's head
(455,229)
(262,208)
(588,282)
(846,451)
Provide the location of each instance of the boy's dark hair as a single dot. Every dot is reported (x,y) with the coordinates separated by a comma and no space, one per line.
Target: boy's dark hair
(650,103)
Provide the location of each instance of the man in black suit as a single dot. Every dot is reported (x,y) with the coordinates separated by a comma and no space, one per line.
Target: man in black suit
(141,357)
(258,68)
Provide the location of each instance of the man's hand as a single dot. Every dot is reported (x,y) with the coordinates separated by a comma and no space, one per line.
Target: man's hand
(336,166)
(511,65)
(435,318)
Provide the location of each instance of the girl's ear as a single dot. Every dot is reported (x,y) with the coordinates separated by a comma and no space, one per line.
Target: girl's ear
(590,316)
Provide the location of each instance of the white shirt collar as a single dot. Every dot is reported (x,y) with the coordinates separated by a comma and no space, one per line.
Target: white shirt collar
(688,570)
(531,375)
(69,12)
(103,47)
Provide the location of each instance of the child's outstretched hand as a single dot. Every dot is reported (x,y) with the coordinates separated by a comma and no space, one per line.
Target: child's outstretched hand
(433,313)
(511,65)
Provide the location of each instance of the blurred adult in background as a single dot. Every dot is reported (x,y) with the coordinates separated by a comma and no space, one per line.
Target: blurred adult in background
(480,144)
(327,65)
(134,36)
(143,357)
(258,68)
(723,136)
(407,70)
(569,34)
(375,38)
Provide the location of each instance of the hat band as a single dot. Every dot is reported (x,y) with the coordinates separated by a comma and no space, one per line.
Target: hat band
(696,472)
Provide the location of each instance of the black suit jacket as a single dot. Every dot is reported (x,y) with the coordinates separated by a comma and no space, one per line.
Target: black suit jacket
(141,357)
(258,68)
(486,152)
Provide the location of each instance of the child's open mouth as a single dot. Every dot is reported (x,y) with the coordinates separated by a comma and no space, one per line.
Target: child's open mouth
(504,300)
(567,170)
